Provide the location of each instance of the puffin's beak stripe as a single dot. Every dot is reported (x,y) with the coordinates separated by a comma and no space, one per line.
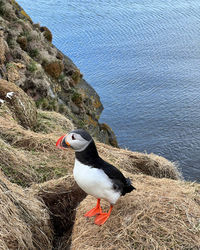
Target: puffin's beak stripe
(61,143)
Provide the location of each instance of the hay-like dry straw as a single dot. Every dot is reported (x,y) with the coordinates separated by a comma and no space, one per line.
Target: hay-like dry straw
(61,197)
(160,214)
(27,156)
(24,221)
(135,162)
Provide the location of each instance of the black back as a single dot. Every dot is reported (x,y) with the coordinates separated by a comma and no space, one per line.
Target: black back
(90,157)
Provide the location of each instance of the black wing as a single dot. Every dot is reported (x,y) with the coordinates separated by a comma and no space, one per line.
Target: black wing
(110,170)
(119,181)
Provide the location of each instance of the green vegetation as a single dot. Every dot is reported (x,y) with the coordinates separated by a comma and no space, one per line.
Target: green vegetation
(34,53)
(27,35)
(61,78)
(77,98)
(76,76)
(10,66)
(10,41)
(2,9)
(50,104)
(32,67)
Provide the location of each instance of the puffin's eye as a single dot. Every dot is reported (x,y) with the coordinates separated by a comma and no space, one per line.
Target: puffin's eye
(73,138)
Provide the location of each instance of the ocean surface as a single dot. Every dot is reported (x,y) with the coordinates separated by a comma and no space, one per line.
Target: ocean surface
(143,59)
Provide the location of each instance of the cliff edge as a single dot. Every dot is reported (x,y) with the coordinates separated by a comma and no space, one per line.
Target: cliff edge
(30,60)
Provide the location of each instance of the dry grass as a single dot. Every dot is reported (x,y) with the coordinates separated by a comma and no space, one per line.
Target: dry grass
(28,157)
(155,216)
(20,104)
(135,162)
(61,197)
(52,122)
(24,221)
(160,214)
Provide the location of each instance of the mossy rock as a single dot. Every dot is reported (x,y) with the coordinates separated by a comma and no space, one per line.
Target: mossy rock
(20,11)
(49,103)
(22,40)
(21,105)
(47,33)
(108,135)
(32,66)
(76,76)
(77,98)
(54,69)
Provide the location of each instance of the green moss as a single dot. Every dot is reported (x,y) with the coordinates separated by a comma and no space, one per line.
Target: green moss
(77,98)
(42,103)
(2,9)
(26,34)
(61,78)
(47,173)
(34,53)
(62,108)
(32,67)
(10,41)
(81,124)
(50,104)
(76,76)
(10,66)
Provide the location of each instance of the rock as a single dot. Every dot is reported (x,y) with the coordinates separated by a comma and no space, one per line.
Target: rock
(13,71)
(48,73)
(47,33)
(22,106)
(107,135)
(22,42)
(75,108)
(20,12)
(60,55)
(89,93)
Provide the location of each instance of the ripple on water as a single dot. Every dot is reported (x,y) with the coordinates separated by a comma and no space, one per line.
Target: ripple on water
(142,57)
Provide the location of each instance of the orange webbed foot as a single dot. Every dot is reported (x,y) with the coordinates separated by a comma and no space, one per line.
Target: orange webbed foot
(102,217)
(94,211)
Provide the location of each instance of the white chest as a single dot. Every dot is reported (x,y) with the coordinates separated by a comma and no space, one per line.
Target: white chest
(94,182)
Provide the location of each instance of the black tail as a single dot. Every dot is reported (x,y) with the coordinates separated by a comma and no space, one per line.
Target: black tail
(128,187)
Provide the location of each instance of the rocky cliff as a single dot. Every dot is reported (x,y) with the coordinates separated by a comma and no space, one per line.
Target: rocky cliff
(41,206)
(30,60)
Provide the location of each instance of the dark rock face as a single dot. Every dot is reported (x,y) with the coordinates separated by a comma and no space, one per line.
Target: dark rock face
(30,60)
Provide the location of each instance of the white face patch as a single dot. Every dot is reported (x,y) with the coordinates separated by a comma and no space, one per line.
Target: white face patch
(77,142)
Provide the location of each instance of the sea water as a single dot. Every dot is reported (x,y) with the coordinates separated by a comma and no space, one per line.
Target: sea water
(143,59)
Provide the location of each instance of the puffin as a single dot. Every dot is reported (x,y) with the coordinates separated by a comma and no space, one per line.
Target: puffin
(94,175)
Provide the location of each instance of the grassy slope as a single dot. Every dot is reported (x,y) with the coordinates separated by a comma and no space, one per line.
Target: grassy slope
(160,213)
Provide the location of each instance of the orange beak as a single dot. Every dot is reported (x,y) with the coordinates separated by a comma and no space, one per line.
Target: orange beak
(61,143)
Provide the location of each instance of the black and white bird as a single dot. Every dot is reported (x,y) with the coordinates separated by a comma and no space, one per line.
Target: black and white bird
(94,175)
